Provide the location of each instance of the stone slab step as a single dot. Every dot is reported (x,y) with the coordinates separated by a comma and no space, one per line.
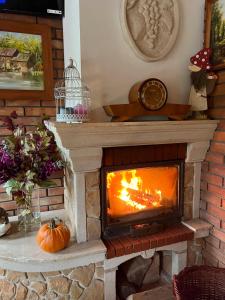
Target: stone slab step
(164,292)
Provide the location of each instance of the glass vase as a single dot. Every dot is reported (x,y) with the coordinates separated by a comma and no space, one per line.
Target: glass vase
(29,216)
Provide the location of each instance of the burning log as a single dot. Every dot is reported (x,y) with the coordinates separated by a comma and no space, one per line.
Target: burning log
(144,198)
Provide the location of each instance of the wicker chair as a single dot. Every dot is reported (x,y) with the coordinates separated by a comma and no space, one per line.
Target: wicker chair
(200,283)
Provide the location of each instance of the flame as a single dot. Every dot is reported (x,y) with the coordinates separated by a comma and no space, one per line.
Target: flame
(110,176)
(135,184)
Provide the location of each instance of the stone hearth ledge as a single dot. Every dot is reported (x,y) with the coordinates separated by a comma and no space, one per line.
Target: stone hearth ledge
(20,252)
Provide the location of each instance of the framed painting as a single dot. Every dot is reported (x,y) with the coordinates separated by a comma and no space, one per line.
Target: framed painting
(215,31)
(25,61)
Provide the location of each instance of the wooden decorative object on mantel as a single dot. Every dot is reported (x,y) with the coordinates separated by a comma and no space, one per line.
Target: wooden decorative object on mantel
(125,112)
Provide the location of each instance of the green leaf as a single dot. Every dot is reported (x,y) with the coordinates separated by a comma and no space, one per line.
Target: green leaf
(11,186)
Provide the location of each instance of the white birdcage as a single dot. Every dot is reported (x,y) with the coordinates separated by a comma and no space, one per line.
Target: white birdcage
(72,97)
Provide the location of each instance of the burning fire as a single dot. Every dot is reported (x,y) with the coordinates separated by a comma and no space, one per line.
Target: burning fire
(132,192)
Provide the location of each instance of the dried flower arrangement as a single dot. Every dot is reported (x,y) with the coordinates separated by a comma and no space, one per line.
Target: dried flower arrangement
(27,159)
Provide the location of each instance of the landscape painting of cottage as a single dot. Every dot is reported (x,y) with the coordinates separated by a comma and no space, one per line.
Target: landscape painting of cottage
(21,63)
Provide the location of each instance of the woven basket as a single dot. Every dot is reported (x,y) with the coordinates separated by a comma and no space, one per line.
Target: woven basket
(200,283)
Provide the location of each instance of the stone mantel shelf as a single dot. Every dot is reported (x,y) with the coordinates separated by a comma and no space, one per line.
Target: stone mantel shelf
(108,134)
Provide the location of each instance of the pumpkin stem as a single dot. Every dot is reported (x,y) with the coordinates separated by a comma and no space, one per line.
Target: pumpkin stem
(52,224)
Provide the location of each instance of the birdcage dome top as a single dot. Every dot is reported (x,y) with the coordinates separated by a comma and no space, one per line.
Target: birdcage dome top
(72,96)
(71,84)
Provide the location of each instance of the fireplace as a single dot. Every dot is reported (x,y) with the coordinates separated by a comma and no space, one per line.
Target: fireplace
(141,189)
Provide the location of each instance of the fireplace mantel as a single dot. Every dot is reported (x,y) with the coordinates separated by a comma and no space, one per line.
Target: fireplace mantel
(106,134)
(82,146)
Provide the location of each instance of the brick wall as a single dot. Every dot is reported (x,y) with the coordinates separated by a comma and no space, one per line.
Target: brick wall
(212,198)
(30,111)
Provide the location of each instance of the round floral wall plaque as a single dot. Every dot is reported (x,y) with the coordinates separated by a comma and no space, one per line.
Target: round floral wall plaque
(150,26)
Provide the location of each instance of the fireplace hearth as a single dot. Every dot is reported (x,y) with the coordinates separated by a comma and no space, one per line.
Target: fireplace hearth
(141,189)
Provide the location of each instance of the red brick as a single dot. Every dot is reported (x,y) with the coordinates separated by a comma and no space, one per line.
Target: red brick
(213,241)
(53,35)
(54,54)
(27,121)
(2,189)
(59,74)
(41,192)
(22,103)
(209,259)
(213,179)
(6,111)
(57,44)
(217,169)
(40,111)
(48,103)
(216,211)
(204,186)
(221,125)
(219,136)
(222,246)
(9,205)
(52,22)
(212,220)
(17,17)
(56,206)
(57,174)
(51,200)
(60,54)
(218,234)
(205,166)
(215,158)
(5,197)
(217,190)
(216,253)
(30,128)
(4,131)
(56,191)
(211,198)
(59,34)
(218,147)
(223,225)
(58,182)
(58,64)
(44,208)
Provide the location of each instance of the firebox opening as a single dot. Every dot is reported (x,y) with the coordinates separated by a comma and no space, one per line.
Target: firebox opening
(136,196)
(135,190)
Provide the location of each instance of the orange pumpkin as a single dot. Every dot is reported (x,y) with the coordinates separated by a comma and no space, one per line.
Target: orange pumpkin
(53,237)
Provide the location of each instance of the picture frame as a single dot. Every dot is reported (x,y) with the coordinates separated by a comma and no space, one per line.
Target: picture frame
(215,38)
(26,70)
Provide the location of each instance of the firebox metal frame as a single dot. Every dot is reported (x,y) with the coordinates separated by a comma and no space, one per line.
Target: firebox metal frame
(126,224)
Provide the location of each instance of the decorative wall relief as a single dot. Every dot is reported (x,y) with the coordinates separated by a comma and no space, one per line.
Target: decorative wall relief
(150,26)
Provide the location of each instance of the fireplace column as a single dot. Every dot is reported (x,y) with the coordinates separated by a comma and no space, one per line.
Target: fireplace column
(80,162)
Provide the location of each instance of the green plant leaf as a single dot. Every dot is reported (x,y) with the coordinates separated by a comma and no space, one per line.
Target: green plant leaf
(11,186)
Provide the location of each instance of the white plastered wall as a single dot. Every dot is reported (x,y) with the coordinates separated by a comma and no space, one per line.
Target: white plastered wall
(108,64)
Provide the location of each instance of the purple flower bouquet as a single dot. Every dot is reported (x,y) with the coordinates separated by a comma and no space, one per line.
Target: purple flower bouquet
(27,160)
